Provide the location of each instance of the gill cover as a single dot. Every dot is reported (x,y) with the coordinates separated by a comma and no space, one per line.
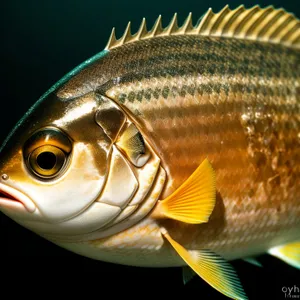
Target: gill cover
(132,183)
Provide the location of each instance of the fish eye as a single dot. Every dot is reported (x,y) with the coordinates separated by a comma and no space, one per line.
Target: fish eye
(46,152)
(47,161)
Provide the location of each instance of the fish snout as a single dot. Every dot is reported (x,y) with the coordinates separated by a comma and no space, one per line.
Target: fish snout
(10,198)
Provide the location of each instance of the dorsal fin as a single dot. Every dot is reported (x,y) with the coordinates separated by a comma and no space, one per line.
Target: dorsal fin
(262,24)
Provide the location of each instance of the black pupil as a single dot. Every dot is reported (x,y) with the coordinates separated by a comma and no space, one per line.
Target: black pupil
(46,160)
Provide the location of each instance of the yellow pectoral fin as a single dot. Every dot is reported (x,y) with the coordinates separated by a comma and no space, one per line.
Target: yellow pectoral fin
(289,253)
(212,268)
(194,201)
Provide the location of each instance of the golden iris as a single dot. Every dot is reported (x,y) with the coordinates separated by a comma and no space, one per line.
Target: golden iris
(46,152)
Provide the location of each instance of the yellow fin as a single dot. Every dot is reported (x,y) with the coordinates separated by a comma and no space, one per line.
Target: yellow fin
(212,268)
(262,24)
(133,144)
(194,201)
(131,140)
(289,253)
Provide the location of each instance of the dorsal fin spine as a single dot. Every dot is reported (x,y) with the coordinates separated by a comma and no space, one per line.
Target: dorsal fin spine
(173,26)
(286,30)
(266,27)
(157,27)
(205,21)
(187,25)
(257,19)
(244,18)
(283,22)
(219,18)
(112,39)
(215,29)
(262,24)
(293,31)
(231,17)
(127,34)
(295,38)
(142,30)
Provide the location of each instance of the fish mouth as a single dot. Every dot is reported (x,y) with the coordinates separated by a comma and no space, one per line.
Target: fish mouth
(14,199)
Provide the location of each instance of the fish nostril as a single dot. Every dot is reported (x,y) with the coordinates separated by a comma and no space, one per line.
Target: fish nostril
(5,177)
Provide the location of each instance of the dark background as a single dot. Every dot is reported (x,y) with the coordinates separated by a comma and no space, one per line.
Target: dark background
(40,42)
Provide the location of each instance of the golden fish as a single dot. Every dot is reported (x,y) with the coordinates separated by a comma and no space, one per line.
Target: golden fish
(177,146)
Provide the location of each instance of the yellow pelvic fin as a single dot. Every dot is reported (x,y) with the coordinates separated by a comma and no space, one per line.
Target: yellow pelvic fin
(266,24)
(289,253)
(212,268)
(194,201)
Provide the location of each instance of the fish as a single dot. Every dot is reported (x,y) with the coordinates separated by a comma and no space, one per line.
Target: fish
(172,147)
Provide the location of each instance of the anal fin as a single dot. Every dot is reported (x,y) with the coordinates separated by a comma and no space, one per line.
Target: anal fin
(289,253)
(194,201)
(212,268)
(253,261)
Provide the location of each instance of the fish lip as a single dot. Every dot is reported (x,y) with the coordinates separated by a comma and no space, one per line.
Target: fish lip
(15,199)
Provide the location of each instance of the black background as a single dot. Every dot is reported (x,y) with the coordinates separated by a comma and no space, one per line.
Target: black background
(40,42)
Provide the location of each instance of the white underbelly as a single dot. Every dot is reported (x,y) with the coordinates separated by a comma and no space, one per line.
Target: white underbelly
(141,245)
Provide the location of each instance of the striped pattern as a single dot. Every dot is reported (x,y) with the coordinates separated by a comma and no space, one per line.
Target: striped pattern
(235,102)
(165,57)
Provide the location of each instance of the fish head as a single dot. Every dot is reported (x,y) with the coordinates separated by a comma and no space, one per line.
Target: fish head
(70,167)
(54,163)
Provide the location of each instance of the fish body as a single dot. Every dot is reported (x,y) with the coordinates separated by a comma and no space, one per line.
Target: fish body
(235,102)
(199,146)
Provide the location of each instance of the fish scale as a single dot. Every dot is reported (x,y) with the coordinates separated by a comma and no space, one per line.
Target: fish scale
(242,125)
(204,123)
